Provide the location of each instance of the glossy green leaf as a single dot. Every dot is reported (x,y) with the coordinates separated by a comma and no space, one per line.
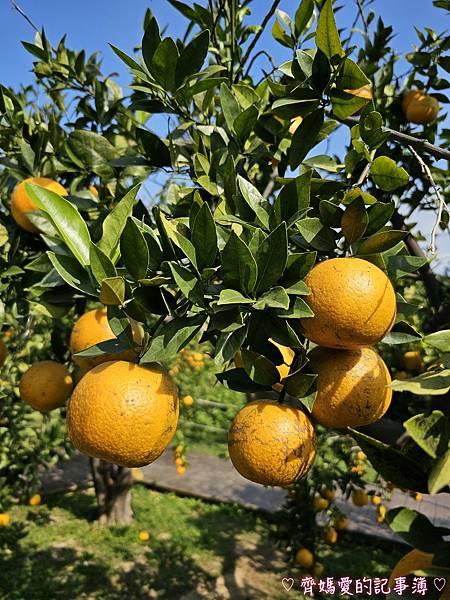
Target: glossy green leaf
(164,64)
(101,265)
(387,175)
(188,283)
(271,258)
(432,383)
(259,369)
(171,336)
(134,250)
(401,333)
(303,16)
(440,474)
(72,273)
(354,221)
(156,151)
(327,35)
(204,237)
(192,57)
(230,107)
(113,291)
(414,528)
(239,270)
(232,297)
(150,42)
(430,431)
(305,137)
(94,151)
(382,241)
(274,298)
(114,224)
(439,340)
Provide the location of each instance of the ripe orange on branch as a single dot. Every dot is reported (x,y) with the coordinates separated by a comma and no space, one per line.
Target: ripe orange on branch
(21,203)
(351,387)
(123,413)
(271,444)
(353,301)
(419,107)
(91,329)
(46,385)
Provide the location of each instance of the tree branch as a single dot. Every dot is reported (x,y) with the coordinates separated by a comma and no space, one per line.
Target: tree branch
(410,140)
(24,15)
(254,41)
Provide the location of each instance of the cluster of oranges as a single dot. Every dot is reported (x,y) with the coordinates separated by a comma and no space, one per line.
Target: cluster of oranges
(180,462)
(358,466)
(191,358)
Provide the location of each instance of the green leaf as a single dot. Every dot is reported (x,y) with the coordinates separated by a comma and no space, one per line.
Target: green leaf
(72,273)
(259,369)
(94,151)
(379,214)
(303,16)
(401,333)
(150,42)
(66,219)
(387,175)
(381,241)
(192,57)
(345,104)
(298,310)
(134,250)
(274,298)
(351,77)
(292,202)
(414,528)
(439,340)
(279,34)
(433,383)
(255,200)
(171,337)
(113,346)
(245,123)
(431,432)
(130,62)
(114,224)
(229,343)
(327,35)
(440,474)
(298,266)
(239,381)
(391,464)
(204,237)
(401,265)
(316,234)
(305,137)
(330,214)
(164,64)
(298,384)
(271,258)
(113,291)
(188,283)
(354,221)
(156,151)
(232,297)
(101,265)
(230,107)
(239,269)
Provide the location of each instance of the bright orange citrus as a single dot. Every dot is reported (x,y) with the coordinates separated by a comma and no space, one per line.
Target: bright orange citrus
(21,203)
(46,385)
(419,107)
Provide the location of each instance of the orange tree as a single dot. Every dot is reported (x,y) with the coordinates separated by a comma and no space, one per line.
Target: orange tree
(225,255)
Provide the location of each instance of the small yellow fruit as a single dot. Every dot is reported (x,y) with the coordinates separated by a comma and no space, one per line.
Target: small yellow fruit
(318,569)
(329,494)
(178,449)
(271,443)
(361,456)
(4,519)
(320,503)
(331,535)
(35,500)
(304,558)
(418,497)
(46,385)
(412,361)
(144,536)
(419,107)
(198,356)
(341,522)
(375,499)
(360,498)
(188,400)
(381,513)
(181,470)
(21,202)
(179,461)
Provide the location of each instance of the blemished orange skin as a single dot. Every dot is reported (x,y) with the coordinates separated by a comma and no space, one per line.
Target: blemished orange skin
(3,352)
(353,301)
(123,413)
(416,560)
(271,444)
(46,385)
(420,108)
(351,387)
(93,328)
(21,203)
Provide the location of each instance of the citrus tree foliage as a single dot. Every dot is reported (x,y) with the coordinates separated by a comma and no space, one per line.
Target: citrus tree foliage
(246,209)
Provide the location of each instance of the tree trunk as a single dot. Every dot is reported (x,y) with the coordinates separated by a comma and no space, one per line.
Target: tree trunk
(113,490)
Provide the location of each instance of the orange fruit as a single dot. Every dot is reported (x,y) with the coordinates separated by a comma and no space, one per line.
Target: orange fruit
(179,461)
(318,569)
(351,387)
(46,385)
(360,455)
(329,493)
(320,503)
(331,535)
(412,361)
(21,203)
(360,498)
(419,107)
(188,400)
(93,328)
(381,513)
(418,497)
(304,558)
(271,444)
(4,519)
(181,470)
(375,500)
(123,413)
(416,560)
(341,522)
(353,301)
(35,500)
(3,352)
(144,536)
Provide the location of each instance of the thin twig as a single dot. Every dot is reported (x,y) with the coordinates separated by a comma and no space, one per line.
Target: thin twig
(436,151)
(363,176)
(24,15)
(257,55)
(216,21)
(254,41)
(441,202)
(363,16)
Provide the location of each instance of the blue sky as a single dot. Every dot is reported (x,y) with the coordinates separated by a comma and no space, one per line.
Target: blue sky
(91,25)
